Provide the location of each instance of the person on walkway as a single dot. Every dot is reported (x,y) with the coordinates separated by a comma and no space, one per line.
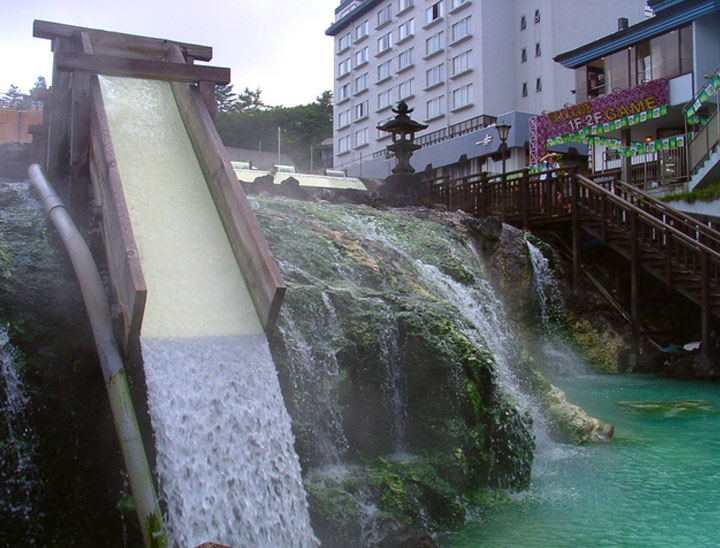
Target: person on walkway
(549,166)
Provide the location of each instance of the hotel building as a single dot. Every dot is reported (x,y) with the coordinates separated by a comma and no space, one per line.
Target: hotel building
(461,65)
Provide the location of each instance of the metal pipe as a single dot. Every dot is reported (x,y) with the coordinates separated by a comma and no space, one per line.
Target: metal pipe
(93,291)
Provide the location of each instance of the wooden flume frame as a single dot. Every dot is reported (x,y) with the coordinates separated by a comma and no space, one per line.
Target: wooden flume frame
(79,156)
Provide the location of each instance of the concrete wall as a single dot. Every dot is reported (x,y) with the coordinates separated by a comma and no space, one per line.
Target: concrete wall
(706,47)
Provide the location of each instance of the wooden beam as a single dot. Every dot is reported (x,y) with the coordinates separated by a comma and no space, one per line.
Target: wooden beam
(252,254)
(128,43)
(127,282)
(141,68)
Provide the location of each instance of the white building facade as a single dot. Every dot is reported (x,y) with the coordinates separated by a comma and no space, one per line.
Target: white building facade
(460,64)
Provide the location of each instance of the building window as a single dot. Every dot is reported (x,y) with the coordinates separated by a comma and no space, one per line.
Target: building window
(435,75)
(523,55)
(343,119)
(537,16)
(462,96)
(383,134)
(436,107)
(524,89)
(362,56)
(435,43)
(405,89)
(406,30)
(384,70)
(538,50)
(462,63)
(343,92)
(343,144)
(385,42)
(461,29)
(523,23)
(361,83)
(384,15)
(362,30)
(343,67)
(405,5)
(457,3)
(406,58)
(434,12)
(361,110)
(344,42)
(384,99)
(361,137)
(538,84)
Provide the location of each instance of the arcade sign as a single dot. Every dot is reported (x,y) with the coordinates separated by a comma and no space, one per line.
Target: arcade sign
(607,111)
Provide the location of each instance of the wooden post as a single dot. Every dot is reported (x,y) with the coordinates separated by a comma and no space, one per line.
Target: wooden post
(574,188)
(485,194)
(524,199)
(58,145)
(80,134)
(207,92)
(634,289)
(705,304)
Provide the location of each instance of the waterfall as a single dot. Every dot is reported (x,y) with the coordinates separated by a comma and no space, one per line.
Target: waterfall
(559,358)
(486,324)
(226,461)
(17,472)
(227,468)
(544,283)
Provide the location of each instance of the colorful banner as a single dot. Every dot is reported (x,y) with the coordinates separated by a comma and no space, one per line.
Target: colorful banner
(605,113)
(581,136)
(710,90)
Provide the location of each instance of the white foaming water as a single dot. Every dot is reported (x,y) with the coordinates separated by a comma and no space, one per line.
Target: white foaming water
(228,469)
(560,360)
(544,281)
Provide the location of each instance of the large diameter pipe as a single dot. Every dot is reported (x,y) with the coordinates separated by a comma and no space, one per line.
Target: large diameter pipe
(136,463)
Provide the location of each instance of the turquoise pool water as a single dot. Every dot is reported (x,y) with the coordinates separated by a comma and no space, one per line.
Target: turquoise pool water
(657,485)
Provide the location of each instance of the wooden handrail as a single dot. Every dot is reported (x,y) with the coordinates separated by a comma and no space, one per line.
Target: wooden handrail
(650,219)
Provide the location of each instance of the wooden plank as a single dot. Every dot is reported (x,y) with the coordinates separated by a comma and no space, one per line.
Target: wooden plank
(127,43)
(141,68)
(253,256)
(123,261)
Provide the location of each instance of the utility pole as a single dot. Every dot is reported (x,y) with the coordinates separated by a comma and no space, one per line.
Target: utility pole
(279,145)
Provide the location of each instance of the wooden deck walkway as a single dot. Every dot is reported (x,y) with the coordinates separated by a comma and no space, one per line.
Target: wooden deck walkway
(676,248)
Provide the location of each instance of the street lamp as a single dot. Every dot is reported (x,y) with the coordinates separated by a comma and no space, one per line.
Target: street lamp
(503,131)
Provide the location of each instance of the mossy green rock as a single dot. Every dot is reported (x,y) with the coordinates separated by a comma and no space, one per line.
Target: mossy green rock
(375,363)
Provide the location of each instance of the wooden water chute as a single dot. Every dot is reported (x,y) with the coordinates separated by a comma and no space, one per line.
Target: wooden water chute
(80,151)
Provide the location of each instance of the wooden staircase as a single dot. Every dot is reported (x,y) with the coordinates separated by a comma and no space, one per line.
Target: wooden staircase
(676,248)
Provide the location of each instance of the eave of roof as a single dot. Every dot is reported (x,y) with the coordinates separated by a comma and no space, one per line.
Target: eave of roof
(668,19)
(362,9)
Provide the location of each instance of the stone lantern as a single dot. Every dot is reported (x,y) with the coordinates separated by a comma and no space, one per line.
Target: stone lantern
(403,135)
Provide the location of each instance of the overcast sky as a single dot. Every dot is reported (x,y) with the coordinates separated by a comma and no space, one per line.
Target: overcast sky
(277,45)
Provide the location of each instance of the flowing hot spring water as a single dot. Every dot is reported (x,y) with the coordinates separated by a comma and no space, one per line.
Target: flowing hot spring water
(656,485)
(227,468)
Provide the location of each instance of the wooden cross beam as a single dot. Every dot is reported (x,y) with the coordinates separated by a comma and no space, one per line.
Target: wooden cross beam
(141,68)
(105,42)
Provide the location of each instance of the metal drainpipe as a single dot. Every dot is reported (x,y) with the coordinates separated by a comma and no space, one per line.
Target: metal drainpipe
(93,291)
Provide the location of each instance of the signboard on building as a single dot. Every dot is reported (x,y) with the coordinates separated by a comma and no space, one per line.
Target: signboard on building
(574,123)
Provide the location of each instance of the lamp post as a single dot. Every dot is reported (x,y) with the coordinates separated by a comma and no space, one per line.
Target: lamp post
(503,132)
